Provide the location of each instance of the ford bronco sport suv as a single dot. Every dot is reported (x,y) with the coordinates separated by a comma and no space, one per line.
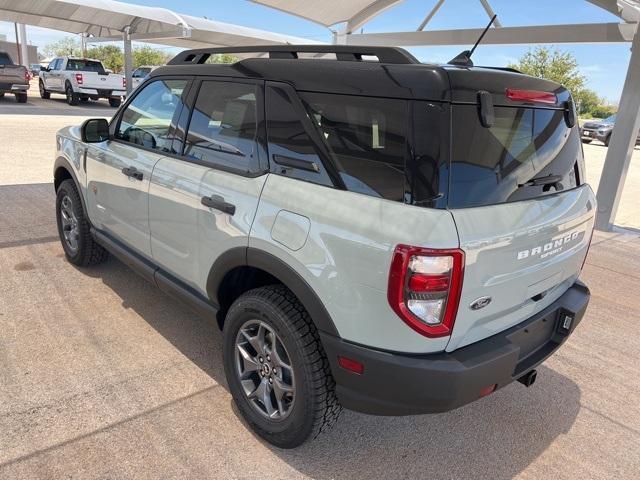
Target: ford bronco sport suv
(369,232)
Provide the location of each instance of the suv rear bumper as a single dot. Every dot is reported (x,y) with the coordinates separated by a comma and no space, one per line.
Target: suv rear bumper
(403,384)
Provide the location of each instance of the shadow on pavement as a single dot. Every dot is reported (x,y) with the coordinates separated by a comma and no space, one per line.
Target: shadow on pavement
(496,437)
(56,105)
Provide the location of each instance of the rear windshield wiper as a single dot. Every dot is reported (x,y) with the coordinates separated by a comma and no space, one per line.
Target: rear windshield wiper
(548,181)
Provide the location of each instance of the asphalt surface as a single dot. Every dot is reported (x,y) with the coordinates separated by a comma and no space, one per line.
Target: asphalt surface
(101,376)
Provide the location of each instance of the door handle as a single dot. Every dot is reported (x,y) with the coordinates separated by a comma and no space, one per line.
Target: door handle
(132,172)
(217,202)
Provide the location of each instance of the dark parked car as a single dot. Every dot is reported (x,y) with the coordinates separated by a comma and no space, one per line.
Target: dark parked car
(600,130)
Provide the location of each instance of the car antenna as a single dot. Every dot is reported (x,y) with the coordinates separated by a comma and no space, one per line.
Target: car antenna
(464,59)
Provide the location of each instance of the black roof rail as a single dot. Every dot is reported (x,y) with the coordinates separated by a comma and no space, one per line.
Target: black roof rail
(342,52)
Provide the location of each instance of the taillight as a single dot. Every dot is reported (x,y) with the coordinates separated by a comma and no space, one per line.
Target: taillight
(79,78)
(534,96)
(424,288)
(124,82)
(27,75)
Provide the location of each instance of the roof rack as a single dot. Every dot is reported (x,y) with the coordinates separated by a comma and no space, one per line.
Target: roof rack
(342,52)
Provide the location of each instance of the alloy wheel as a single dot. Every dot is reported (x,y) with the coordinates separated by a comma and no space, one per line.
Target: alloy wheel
(264,369)
(69,222)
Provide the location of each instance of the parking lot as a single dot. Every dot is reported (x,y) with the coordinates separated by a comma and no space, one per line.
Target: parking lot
(101,376)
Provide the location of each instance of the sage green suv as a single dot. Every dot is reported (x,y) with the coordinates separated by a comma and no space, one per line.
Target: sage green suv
(368,231)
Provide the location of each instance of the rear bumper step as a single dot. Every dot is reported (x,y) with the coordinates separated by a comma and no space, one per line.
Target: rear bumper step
(402,384)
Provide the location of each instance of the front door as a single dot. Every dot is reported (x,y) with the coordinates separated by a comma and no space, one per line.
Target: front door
(119,170)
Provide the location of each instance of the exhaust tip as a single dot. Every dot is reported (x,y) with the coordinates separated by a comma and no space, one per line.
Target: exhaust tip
(529,378)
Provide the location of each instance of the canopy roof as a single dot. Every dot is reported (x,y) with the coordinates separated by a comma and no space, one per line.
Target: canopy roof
(357,12)
(109,18)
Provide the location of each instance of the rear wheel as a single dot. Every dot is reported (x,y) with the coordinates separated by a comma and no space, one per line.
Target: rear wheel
(73,228)
(21,97)
(44,94)
(115,102)
(73,98)
(277,370)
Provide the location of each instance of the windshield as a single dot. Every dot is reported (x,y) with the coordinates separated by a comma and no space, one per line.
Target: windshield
(611,119)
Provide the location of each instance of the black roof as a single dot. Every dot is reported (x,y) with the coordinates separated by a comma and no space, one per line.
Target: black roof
(396,74)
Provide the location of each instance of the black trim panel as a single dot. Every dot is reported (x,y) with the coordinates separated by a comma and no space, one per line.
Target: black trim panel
(252,257)
(405,384)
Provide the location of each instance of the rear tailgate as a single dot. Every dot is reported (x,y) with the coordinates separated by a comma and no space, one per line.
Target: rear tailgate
(517,195)
(102,81)
(12,75)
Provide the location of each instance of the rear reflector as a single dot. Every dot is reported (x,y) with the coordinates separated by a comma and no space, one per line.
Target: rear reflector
(351,365)
(424,288)
(488,390)
(534,96)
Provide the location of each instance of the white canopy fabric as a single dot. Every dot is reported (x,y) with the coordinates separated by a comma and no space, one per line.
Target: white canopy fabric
(358,12)
(109,18)
(330,12)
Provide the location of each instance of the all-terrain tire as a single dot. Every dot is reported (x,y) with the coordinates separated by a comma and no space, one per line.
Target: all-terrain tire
(315,407)
(87,251)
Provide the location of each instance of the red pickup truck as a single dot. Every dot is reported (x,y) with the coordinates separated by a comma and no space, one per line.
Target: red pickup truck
(14,79)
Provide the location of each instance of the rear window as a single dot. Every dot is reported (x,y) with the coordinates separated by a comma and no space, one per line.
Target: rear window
(5,59)
(368,140)
(85,66)
(497,164)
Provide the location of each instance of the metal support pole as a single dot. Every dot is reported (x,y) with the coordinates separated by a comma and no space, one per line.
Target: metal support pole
(15,26)
(24,51)
(622,143)
(340,35)
(83,44)
(128,60)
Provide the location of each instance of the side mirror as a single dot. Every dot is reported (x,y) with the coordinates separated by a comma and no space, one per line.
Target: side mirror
(95,130)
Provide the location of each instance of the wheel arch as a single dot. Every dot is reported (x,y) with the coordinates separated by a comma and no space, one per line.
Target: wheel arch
(244,268)
(62,170)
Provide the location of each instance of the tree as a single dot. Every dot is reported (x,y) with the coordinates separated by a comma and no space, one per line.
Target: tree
(110,55)
(222,58)
(63,47)
(147,55)
(560,67)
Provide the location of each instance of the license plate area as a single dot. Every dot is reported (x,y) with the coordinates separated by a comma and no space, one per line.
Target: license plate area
(536,341)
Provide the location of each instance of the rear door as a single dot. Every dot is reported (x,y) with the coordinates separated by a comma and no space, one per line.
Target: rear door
(119,170)
(523,213)
(202,202)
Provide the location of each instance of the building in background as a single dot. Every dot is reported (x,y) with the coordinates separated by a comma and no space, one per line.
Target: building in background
(12,50)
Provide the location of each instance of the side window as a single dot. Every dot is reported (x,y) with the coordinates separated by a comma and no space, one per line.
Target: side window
(147,120)
(368,140)
(293,152)
(54,64)
(223,126)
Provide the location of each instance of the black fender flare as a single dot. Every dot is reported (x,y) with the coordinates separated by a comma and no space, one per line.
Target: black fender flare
(62,162)
(256,258)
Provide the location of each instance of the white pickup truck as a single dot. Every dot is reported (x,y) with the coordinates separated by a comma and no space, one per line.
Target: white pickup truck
(81,79)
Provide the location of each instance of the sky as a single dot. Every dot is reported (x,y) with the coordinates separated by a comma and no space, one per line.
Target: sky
(604,65)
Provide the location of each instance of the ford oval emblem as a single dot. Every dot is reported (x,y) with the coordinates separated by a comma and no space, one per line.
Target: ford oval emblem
(480,303)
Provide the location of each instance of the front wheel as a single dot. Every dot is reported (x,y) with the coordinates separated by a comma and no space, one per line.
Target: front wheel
(277,370)
(606,140)
(73,228)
